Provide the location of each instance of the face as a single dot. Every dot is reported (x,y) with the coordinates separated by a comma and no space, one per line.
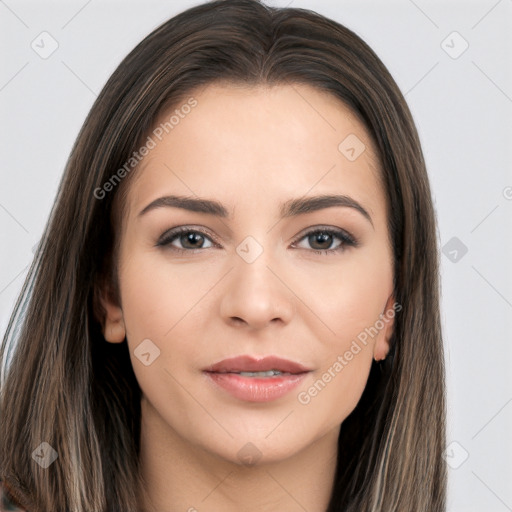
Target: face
(264,278)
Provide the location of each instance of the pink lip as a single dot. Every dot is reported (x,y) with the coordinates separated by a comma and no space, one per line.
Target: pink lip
(257,389)
(252,364)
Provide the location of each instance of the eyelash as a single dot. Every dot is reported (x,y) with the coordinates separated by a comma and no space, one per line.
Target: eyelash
(346,239)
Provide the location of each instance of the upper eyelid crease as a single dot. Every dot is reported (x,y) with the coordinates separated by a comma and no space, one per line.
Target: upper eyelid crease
(341,234)
(290,208)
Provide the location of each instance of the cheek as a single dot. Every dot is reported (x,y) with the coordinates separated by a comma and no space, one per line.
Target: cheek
(346,353)
(166,305)
(157,296)
(335,390)
(350,297)
(349,302)
(155,305)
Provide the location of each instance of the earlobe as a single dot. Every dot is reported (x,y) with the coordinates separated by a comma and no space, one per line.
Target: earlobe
(114,329)
(387,320)
(115,332)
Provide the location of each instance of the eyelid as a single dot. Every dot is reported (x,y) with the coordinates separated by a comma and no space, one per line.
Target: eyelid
(341,233)
(172,233)
(347,239)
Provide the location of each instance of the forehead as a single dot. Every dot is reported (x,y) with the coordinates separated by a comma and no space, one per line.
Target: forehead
(267,142)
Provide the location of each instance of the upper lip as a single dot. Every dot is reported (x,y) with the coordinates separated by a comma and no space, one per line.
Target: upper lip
(247,363)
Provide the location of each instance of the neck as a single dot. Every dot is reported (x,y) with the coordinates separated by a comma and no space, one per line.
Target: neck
(183,477)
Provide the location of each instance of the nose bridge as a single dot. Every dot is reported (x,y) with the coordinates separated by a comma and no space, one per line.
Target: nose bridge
(254,293)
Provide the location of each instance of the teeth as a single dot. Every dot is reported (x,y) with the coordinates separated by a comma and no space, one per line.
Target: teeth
(270,373)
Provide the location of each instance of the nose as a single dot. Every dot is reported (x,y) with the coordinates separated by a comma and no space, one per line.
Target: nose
(256,294)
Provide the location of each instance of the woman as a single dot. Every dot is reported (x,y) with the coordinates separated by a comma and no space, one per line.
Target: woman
(235,303)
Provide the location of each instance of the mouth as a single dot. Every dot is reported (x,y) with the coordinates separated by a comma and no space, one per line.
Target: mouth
(256,380)
(270,365)
(263,374)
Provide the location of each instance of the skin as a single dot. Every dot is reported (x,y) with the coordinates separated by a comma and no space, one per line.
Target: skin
(251,149)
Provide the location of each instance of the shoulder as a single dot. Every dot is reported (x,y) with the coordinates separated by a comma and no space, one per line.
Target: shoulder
(7,501)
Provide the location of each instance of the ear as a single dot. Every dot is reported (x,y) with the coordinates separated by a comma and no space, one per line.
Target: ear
(113,327)
(387,322)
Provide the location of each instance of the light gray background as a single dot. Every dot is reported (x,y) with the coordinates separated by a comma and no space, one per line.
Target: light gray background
(463,110)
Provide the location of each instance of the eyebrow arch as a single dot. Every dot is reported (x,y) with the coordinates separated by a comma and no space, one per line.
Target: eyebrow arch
(290,208)
(311,204)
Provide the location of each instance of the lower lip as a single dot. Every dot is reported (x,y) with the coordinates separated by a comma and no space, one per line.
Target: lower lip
(257,389)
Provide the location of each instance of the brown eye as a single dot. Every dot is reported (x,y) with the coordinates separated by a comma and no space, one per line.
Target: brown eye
(191,240)
(188,239)
(321,241)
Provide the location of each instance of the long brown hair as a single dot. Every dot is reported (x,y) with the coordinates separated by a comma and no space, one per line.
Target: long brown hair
(69,388)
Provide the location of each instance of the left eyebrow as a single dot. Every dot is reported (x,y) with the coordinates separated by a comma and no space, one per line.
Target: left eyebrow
(310,204)
(289,208)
